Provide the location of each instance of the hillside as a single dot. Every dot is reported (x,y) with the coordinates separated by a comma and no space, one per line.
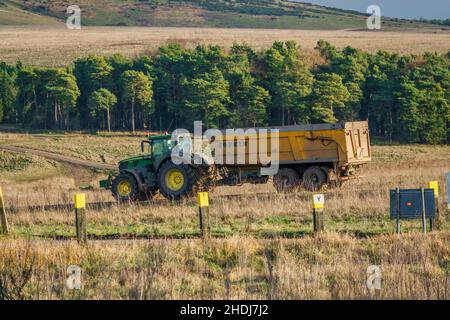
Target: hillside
(12,14)
(197,13)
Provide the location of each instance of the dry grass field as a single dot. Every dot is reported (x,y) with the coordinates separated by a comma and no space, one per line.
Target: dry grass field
(57,46)
(260,248)
(330,266)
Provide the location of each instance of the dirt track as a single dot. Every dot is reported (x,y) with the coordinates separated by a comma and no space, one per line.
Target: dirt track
(60,158)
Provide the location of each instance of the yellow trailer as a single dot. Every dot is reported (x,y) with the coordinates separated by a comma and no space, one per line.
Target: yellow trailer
(311,156)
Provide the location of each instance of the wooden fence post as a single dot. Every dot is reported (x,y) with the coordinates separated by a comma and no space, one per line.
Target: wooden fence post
(4,220)
(80,218)
(318,216)
(203,214)
(436,222)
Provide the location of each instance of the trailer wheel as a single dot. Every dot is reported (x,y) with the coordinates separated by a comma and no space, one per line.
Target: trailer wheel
(286,180)
(314,179)
(125,188)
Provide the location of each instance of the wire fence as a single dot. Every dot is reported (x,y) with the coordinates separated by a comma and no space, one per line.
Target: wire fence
(163,202)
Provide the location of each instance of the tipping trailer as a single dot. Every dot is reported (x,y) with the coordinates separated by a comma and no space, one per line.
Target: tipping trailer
(310,156)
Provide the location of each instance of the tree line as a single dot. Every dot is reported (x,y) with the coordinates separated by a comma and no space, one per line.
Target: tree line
(405,97)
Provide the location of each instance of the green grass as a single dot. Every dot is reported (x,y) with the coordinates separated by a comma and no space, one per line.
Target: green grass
(20,168)
(102,226)
(329,22)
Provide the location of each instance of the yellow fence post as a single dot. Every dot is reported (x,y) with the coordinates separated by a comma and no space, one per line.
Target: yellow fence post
(203,214)
(4,220)
(80,217)
(318,216)
(436,222)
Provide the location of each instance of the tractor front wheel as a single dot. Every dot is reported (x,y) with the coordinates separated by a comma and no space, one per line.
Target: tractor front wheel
(125,188)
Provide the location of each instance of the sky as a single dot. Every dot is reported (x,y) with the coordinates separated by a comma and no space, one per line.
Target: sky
(409,9)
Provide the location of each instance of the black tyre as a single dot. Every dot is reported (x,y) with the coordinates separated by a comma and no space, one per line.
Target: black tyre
(125,188)
(287,180)
(177,181)
(314,179)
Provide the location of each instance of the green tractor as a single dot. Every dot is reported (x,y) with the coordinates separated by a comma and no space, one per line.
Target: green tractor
(142,177)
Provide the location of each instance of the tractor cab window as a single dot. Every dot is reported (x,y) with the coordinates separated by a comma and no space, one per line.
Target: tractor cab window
(158,147)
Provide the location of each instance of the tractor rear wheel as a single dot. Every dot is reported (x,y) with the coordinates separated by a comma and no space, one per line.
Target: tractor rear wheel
(125,188)
(286,180)
(177,181)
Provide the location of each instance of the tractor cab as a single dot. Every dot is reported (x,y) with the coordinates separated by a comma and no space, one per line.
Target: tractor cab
(157,145)
(160,145)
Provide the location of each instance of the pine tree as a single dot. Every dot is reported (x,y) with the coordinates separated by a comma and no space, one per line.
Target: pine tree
(382,84)
(62,90)
(8,92)
(27,82)
(207,96)
(119,64)
(248,101)
(102,100)
(136,90)
(92,73)
(170,67)
(255,114)
(351,64)
(432,84)
(410,123)
(289,81)
(328,96)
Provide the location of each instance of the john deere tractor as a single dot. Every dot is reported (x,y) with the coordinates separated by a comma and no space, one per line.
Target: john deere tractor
(142,177)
